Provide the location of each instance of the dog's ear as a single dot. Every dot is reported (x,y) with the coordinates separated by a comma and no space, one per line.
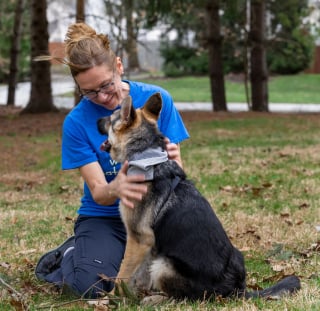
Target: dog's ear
(127,112)
(153,106)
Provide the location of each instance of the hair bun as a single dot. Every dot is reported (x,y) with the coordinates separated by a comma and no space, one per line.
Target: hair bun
(80,31)
(84,48)
(105,40)
(77,31)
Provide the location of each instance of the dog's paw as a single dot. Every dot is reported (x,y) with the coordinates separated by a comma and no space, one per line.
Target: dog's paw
(118,289)
(122,289)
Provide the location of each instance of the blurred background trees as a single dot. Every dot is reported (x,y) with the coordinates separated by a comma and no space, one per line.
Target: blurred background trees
(41,92)
(15,51)
(7,20)
(214,38)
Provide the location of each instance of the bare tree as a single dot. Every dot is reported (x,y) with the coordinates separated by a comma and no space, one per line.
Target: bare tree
(80,17)
(215,41)
(15,51)
(80,11)
(41,93)
(131,45)
(126,38)
(259,71)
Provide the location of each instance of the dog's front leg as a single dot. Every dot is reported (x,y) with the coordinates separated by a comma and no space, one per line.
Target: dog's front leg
(134,254)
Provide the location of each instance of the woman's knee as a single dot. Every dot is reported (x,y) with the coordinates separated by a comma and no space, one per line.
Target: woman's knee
(90,286)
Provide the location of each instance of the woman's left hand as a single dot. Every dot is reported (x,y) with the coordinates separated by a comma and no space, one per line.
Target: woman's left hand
(173,151)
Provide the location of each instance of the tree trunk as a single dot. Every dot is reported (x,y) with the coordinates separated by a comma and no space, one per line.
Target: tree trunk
(131,45)
(41,94)
(259,71)
(15,51)
(80,17)
(247,51)
(215,41)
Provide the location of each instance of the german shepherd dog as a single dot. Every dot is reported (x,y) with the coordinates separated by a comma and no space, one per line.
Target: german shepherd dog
(175,243)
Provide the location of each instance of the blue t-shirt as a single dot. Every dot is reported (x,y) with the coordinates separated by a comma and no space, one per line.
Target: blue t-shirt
(81,139)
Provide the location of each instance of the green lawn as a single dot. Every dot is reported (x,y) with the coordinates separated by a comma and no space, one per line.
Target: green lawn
(260,173)
(302,88)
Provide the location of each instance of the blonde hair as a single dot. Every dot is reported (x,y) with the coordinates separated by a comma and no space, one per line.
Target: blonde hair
(84,49)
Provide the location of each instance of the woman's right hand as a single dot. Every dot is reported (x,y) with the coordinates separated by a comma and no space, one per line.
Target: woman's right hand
(128,188)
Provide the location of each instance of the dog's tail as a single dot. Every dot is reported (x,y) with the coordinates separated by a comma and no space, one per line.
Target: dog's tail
(288,285)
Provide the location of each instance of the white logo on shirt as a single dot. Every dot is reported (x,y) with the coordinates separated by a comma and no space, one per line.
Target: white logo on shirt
(113,171)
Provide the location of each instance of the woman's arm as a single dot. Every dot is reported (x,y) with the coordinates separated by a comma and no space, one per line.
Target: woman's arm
(126,188)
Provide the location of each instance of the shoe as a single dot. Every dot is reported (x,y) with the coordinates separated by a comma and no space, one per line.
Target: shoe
(51,261)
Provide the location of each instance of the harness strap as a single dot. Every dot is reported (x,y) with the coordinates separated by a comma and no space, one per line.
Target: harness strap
(174,183)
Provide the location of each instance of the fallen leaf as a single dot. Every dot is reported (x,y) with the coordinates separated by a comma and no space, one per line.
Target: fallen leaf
(5,265)
(68,218)
(289,222)
(226,188)
(224,205)
(100,304)
(28,262)
(27,251)
(254,286)
(274,297)
(304,205)
(245,249)
(267,185)
(283,155)
(284,215)
(17,305)
(256,191)
(64,188)
(278,268)
(99,307)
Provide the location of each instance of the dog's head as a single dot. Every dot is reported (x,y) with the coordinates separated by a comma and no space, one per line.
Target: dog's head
(131,130)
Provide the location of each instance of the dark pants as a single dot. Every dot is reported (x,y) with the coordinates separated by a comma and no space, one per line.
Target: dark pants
(99,249)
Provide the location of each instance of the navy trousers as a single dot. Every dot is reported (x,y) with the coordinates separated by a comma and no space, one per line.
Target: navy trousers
(99,248)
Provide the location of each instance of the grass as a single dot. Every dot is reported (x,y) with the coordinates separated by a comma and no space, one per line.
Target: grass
(299,89)
(260,172)
(302,88)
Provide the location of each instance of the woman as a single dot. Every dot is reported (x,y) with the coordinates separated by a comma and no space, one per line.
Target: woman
(99,242)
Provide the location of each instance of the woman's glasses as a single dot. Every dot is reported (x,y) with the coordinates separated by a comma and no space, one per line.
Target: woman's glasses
(104,89)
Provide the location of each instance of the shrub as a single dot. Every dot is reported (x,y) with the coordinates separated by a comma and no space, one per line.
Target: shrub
(181,60)
(291,56)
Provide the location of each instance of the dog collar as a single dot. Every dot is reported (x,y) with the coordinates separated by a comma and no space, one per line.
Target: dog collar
(143,163)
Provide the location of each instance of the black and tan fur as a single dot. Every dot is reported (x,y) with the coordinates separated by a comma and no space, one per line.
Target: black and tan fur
(175,242)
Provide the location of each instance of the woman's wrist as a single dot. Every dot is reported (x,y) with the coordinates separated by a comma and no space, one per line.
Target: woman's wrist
(105,195)
(111,192)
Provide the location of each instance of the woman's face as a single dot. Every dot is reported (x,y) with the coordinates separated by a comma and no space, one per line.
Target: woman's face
(102,86)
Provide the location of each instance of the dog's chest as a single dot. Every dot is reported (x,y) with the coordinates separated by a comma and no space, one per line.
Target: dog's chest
(137,220)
